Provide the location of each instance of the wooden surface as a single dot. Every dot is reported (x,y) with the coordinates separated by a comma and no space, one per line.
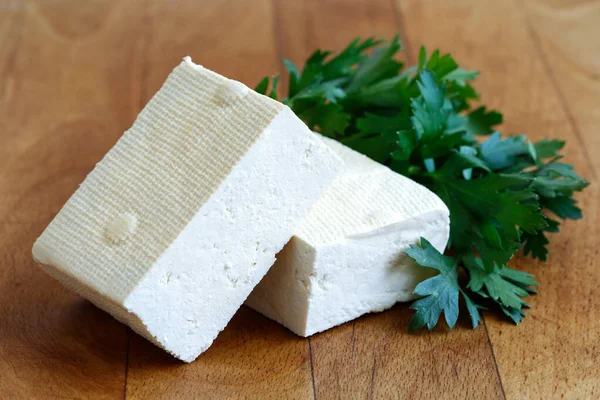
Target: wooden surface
(73,76)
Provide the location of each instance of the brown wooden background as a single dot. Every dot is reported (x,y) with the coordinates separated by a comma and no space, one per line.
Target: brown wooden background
(73,76)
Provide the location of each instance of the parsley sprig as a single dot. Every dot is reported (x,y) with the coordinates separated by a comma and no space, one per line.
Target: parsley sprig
(504,193)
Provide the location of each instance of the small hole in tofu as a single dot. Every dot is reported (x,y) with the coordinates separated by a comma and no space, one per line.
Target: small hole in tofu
(232,278)
(229,92)
(121,227)
(308,151)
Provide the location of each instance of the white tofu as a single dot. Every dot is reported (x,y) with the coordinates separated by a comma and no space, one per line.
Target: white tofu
(184,215)
(347,257)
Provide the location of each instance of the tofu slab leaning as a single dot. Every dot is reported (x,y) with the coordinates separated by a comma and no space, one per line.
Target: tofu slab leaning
(347,257)
(184,215)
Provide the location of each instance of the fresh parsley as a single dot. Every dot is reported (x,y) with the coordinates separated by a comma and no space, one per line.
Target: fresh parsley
(504,193)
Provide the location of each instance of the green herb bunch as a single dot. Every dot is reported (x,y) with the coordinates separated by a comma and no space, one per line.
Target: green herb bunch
(504,193)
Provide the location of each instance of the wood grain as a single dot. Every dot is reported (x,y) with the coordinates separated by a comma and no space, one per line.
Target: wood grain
(554,352)
(375,357)
(253,358)
(73,76)
(234,37)
(568,36)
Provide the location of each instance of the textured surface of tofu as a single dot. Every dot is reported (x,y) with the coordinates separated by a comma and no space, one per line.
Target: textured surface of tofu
(184,215)
(347,257)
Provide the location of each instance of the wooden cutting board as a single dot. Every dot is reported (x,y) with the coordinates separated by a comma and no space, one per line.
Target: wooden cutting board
(73,76)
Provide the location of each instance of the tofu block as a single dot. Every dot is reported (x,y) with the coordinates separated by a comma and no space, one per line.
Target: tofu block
(347,257)
(181,219)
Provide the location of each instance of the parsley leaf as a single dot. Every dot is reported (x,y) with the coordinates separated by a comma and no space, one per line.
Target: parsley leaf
(419,122)
(535,243)
(485,215)
(504,285)
(481,122)
(547,148)
(329,118)
(441,291)
(501,153)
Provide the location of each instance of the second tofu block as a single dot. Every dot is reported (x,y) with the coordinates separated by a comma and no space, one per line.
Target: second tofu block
(184,215)
(347,257)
